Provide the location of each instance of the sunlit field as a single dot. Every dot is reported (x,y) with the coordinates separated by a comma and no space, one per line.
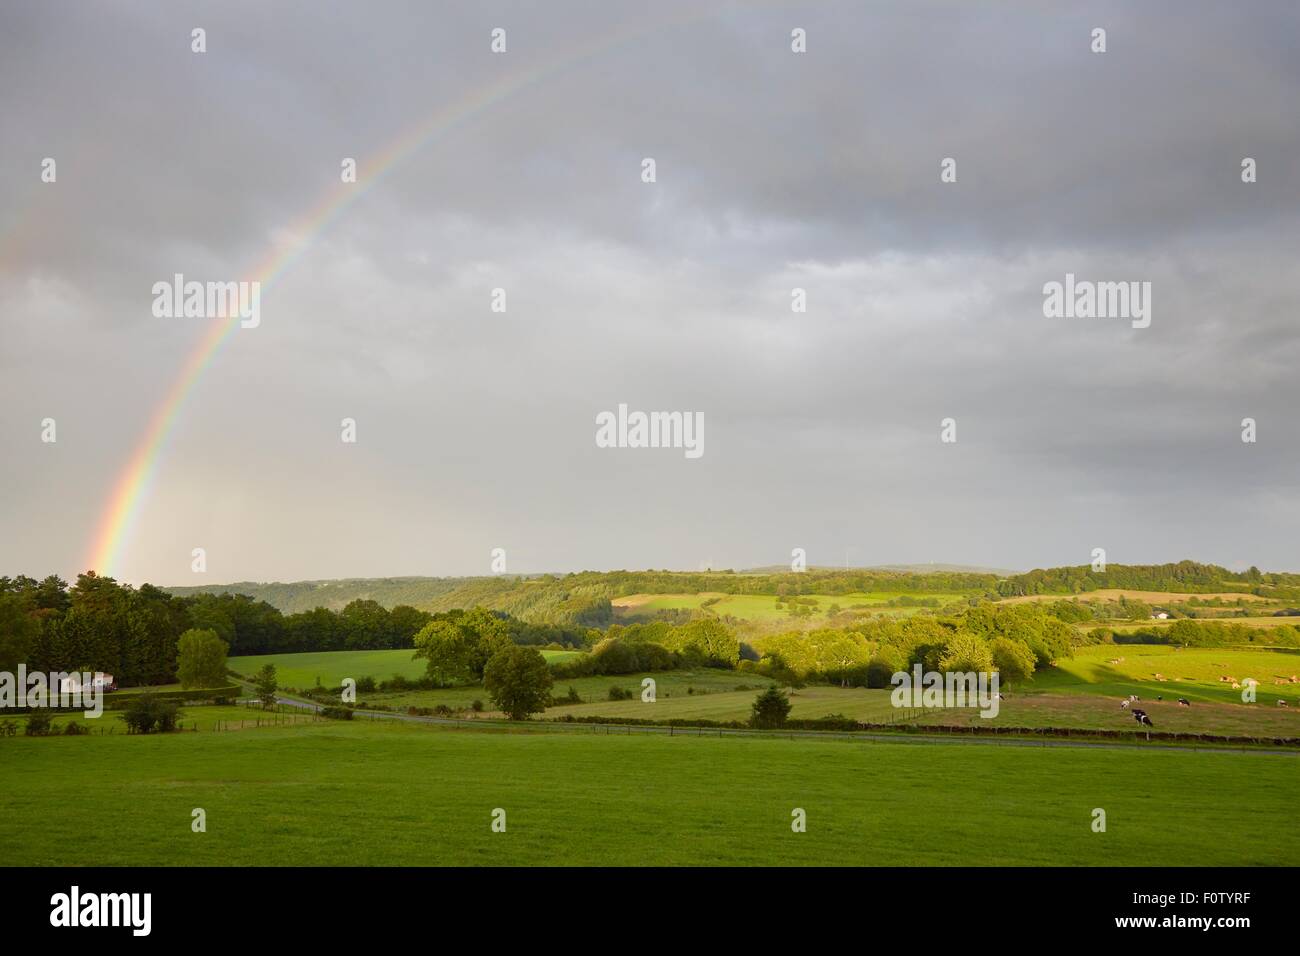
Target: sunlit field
(374,793)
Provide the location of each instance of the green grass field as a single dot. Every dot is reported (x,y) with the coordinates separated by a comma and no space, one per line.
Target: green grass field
(1192,672)
(1027,710)
(194,718)
(1081,692)
(331,667)
(384,793)
(669,685)
(763,607)
(1128,627)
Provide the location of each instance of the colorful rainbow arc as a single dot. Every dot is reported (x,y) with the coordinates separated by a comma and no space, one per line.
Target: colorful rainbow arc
(132,488)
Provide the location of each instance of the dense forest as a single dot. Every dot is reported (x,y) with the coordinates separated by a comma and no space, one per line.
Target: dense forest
(98,624)
(1184,576)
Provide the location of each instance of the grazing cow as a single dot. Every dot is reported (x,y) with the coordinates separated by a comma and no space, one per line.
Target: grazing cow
(1124,703)
(1281,702)
(1236,686)
(1133,698)
(1184,702)
(1141,717)
(1160,697)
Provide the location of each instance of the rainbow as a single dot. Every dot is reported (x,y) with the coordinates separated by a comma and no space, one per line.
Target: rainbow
(131,490)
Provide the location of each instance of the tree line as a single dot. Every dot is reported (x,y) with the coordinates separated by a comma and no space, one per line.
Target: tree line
(1015,640)
(98,624)
(1182,576)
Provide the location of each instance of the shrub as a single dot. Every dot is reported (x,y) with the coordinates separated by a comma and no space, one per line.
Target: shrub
(121,700)
(75,729)
(38,723)
(336,712)
(477,706)
(8,729)
(770,710)
(618,693)
(148,714)
(366,685)
(168,717)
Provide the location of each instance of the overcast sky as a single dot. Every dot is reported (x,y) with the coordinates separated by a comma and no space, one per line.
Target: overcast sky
(775,170)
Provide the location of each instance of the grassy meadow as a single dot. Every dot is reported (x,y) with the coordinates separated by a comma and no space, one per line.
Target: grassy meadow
(1083,691)
(762,608)
(371,793)
(1193,672)
(331,667)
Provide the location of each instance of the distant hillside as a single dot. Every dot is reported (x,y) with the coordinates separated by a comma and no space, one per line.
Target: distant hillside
(959,568)
(335,595)
(1184,577)
(584,598)
(904,568)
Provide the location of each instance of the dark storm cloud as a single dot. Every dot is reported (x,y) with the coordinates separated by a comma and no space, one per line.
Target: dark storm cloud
(775,170)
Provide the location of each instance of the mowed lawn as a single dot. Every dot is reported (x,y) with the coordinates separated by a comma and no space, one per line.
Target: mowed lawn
(375,793)
(332,667)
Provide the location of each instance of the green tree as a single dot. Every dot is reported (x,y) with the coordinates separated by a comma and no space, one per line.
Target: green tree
(1013,661)
(964,653)
(458,645)
(267,684)
(18,632)
(884,664)
(405,622)
(518,680)
(201,659)
(771,709)
(366,625)
(707,641)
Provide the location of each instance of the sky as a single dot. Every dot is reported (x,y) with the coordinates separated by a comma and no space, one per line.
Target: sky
(774,170)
